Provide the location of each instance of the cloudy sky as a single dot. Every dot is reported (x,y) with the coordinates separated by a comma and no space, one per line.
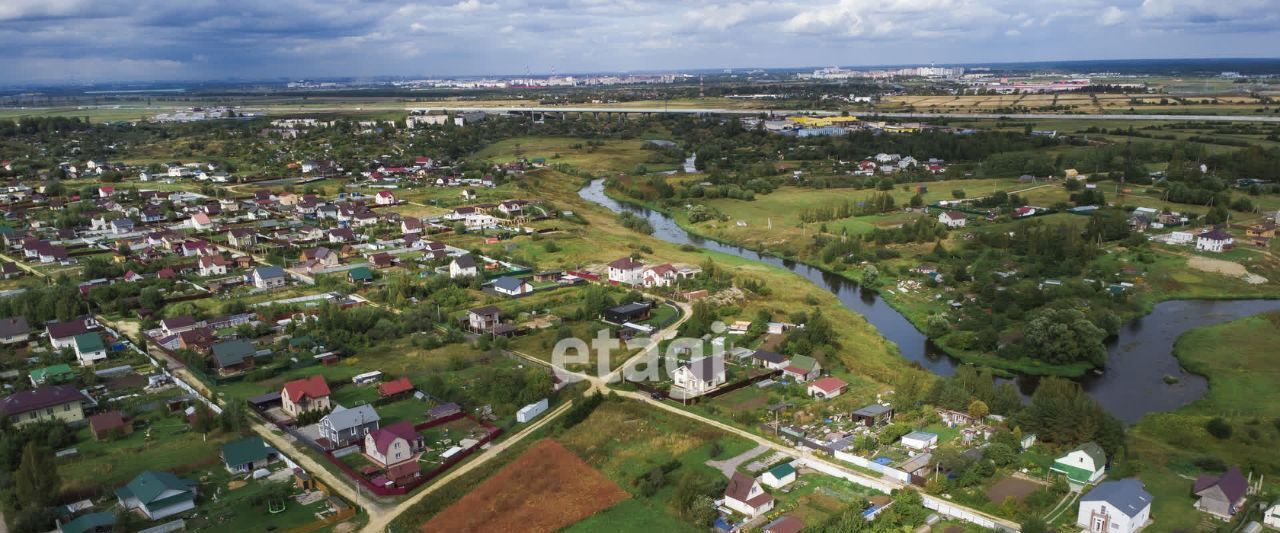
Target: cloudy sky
(112,40)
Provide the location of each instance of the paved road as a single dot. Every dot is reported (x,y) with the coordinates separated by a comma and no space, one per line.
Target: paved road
(379,521)
(727,111)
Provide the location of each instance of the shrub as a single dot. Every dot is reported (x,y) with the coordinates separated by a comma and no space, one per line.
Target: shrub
(1219,428)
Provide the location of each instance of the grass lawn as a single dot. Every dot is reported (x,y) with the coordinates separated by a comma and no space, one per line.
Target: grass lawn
(234,511)
(111,463)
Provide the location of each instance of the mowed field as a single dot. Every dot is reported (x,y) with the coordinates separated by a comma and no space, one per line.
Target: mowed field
(545,489)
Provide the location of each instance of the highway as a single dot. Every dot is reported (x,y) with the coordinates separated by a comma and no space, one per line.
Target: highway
(874,115)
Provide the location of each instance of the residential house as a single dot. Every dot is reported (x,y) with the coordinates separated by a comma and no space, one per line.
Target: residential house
(1120,506)
(626,271)
(89,348)
(341,235)
(779,476)
(1263,230)
(62,334)
(396,387)
(319,258)
(410,225)
(920,440)
(659,276)
(268,277)
(511,286)
(483,318)
(384,198)
(213,265)
(952,219)
(158,494)
(242,238)
(109,425)
(1221,496)
(200,222)
(632,312)
(121,226)
(802,368)
(14,330)
(233,355)
(393,444)
(247,454)
(770,360)
(745,495)
(512,207)
(302,395)
(873,415)
(382,260)
(359,275)
(463,266)
(1214,241)
(700,376)
(344,427)
(50,402)
(827,387)
(1082,465)
(179,324)
(1271,517)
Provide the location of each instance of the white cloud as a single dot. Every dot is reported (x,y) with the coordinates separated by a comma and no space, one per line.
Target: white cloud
(252,38)
(1112,16)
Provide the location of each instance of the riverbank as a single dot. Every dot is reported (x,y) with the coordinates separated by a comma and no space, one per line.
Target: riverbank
(1240,362)
(1001,367)
(1168,279)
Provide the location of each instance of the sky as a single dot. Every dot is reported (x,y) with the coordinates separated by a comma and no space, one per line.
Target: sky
(155,40)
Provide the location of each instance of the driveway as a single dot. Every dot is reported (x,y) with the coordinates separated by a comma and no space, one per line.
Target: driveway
(730,465)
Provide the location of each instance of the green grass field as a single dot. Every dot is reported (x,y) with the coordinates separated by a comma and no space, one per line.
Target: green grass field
(611,156)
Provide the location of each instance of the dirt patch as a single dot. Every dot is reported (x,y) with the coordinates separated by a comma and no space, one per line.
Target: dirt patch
(1226,268)
(1018,488)
(545,489)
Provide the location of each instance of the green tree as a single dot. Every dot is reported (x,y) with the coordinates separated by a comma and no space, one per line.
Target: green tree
(1065,336)
(36,482)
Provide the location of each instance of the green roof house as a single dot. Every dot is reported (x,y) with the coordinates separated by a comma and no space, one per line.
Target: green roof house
(89,348)
(247,454)
(158,494)
(779,476)
(52,374)
(1083,465)
(234,354)
(89,523)
(803,368)
(360,275)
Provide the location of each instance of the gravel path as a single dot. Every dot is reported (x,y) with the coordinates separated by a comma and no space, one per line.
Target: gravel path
(730,465)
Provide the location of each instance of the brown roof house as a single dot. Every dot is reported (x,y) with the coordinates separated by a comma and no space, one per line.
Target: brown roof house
(109,425)
(745,495)
(1221,496)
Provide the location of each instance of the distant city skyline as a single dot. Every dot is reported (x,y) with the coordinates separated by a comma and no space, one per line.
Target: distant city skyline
(129,40)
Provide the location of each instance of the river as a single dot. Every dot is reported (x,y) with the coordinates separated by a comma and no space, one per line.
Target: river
(1139,357)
